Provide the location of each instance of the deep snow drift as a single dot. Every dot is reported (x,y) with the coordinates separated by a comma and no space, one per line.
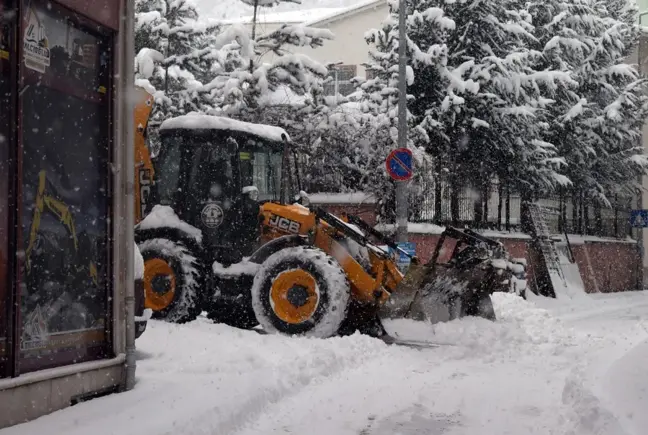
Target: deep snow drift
(545,367)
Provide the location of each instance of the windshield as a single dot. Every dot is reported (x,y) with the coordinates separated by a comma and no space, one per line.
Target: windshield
(168,164)
(261,167)
(206,164)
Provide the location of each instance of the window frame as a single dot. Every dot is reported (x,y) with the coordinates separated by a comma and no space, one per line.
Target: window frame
(348,72)
(26,77)
(9,364)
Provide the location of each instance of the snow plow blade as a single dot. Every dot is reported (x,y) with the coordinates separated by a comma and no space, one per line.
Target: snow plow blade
(461,286)
(404,302)
(423,296)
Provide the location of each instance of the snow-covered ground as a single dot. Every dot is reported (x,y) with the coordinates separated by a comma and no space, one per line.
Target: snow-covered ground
(572,366)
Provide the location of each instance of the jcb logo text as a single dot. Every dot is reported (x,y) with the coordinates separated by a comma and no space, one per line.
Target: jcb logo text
(284,224)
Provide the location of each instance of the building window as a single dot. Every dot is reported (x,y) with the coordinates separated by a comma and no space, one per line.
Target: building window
(340,79)
(65,190)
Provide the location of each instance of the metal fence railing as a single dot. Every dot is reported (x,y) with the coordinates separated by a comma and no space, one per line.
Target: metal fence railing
(496,207)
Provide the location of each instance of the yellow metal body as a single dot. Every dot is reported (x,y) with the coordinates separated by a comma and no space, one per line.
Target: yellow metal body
(279,296)
(369,287)
(144,171)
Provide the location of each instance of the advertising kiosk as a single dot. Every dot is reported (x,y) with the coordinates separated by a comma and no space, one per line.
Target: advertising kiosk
(64,241)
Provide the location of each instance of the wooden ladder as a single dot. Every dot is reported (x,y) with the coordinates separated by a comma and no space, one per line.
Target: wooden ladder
(542,237)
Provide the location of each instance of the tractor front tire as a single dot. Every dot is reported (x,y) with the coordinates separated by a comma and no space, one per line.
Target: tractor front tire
(171,280)
(301,291)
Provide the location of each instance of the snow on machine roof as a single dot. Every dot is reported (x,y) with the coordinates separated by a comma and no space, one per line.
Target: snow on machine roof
(210,122)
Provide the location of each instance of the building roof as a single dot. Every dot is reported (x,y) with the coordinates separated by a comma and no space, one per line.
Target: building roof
(311,17)
(356,9)
(287,17)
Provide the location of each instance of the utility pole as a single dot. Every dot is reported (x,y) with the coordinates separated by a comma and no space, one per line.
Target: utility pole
(640,202)
(402,205)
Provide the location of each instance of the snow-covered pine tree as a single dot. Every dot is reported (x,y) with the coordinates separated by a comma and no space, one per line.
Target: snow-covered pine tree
(475,98)
(174,54)
(248,68)
(377,97)
(493,125)
(266,67)
(597,123)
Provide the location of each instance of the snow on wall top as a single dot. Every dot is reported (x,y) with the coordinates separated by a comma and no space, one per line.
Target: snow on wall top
(341,198)
(577,239)
(428,228)
(198,122)
(414,228)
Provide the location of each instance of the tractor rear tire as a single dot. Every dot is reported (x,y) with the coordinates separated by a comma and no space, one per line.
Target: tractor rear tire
(172,277)
(301,291)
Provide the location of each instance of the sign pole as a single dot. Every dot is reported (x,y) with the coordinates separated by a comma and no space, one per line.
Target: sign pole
(640,202)
(401,186)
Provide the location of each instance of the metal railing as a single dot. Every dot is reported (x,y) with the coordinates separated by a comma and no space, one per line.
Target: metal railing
(498,208)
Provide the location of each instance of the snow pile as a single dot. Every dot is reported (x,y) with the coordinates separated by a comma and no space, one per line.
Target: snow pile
(520,375)
(520,325)
(568,285)
(626,389)
(585,412)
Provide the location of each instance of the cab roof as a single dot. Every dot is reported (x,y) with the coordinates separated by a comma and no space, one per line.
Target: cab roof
(210,122)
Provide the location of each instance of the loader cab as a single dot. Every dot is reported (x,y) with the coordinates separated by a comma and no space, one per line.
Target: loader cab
(214,172)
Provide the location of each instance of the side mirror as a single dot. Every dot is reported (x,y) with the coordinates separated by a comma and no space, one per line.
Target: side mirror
(252,192)
(303,199)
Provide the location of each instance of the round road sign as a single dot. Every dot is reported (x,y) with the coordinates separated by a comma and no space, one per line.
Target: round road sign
(399,164)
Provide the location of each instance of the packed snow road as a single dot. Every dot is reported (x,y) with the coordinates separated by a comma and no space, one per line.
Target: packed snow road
(545,367)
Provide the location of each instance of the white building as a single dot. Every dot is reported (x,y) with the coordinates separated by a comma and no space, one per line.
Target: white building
(348,49)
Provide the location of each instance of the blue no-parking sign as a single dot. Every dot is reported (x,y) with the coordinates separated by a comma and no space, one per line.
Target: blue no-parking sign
(399,164)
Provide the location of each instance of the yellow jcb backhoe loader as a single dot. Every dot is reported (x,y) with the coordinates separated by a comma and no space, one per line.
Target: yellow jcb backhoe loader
(226,237)
(144,171)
